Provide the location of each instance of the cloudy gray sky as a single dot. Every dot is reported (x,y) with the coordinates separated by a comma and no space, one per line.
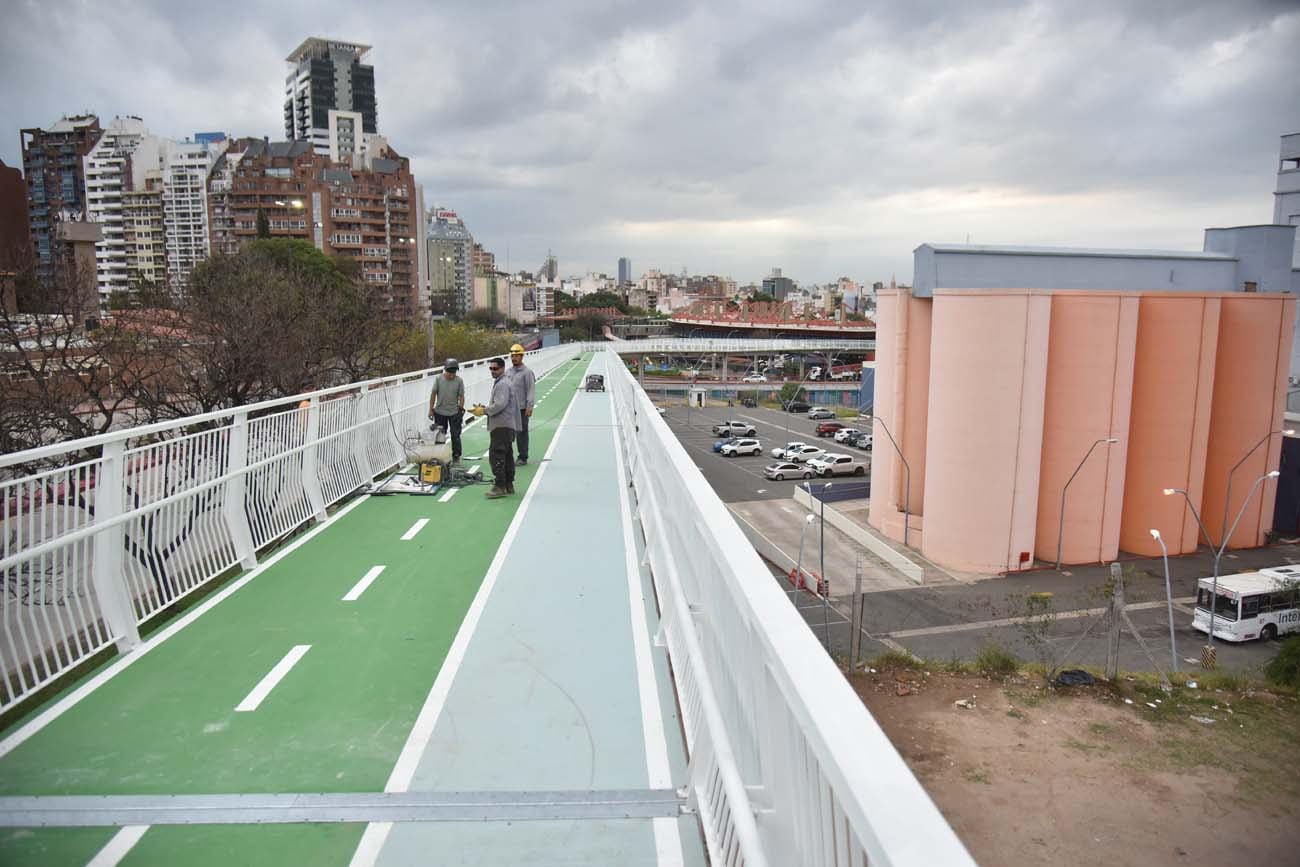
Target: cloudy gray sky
(826,138)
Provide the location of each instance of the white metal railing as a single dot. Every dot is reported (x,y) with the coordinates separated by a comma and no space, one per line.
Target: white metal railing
(742,344)
(786,764)
(110,530)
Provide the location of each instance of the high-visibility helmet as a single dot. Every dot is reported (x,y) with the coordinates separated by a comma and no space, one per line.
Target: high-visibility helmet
(516,350)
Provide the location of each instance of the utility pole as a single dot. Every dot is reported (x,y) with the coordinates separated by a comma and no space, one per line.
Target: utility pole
(1116,612)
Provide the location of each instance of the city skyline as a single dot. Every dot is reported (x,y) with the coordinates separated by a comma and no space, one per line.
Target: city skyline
(828,141)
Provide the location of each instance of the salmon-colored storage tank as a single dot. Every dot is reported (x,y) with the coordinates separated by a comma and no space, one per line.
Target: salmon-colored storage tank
(1173,384)
(1089,392)
(1249,403)
(887,406)
(902,393)
(988,373)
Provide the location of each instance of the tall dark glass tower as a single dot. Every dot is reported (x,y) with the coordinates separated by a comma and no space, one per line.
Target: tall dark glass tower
(329,96)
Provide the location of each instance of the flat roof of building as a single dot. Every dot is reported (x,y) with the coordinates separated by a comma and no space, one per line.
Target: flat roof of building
(1095,252)
(317,46)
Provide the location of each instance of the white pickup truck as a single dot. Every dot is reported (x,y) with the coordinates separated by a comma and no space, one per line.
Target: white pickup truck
(837,465)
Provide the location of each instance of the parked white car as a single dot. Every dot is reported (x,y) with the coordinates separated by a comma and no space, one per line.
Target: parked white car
(845,434)
(755,377)
(734,429)
(742,447)
(838,465)
(803,453)
(779,451)
(820,412)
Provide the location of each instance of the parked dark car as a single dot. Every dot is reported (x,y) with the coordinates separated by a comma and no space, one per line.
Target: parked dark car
(748,401)
(798,406)
(595,382)
(829,428)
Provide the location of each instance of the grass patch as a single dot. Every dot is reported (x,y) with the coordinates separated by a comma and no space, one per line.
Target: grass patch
(994,660)
(1028,699)
(977,775)
(1101,729)
(1085,747)
(1016,713)
(1284,669)
(891,659)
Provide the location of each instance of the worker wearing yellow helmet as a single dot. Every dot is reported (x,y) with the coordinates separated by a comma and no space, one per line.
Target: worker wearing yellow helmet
(524,383)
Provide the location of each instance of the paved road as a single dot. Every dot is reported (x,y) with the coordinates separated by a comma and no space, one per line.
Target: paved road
(956,620)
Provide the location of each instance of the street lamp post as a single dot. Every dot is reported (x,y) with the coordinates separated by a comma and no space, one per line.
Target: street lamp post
(1060,529)
(1218,553)
(1169,601)
(1227,500)
(907,478)
(799,564)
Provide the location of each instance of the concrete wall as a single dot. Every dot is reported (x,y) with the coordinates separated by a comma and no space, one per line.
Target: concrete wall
(988,377)
(1089,393)
(1169,428)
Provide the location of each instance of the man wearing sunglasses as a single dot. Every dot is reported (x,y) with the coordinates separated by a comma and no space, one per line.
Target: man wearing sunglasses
(502,417)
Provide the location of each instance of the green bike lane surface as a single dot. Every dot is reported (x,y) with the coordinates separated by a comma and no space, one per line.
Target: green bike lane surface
(167,723)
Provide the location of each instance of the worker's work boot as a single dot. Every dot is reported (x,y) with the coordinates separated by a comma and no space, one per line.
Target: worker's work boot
(496,493)
(510,489)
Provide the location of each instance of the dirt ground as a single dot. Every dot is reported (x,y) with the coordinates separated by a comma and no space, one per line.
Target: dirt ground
(1081,777)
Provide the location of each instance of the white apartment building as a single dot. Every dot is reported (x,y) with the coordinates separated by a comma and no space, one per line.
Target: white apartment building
(187,165)
(117,163)
(150,197)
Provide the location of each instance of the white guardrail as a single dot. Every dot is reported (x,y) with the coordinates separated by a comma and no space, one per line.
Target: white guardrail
(786,764)
(740,344)
(117,527)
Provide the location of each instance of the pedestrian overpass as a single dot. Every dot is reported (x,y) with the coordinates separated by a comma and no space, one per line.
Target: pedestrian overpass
(218,649)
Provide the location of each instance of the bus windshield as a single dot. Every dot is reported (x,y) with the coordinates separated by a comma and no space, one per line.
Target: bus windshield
(1225,607)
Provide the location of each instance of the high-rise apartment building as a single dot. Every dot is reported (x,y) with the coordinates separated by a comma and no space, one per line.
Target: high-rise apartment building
(624,271)
(117,164)
(186,167)
(482,262)
(56,180)
(15,231)
(142,232)
(450,261)
(550,268)
(330,97)
(367,213)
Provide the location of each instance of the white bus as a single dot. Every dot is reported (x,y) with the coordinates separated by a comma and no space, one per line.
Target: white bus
(1263,604)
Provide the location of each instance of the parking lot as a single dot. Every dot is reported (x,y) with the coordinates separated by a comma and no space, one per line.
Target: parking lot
(956,619)
(741,479)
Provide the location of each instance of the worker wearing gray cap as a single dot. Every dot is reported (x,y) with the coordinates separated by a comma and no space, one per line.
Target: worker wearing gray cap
(447,403)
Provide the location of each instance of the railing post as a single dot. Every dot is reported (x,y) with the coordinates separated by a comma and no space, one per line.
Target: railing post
(360,436)
(310,476)
(107,577)
(233,508)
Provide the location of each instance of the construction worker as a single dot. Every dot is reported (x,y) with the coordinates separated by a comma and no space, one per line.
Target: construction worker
(524,382)
(502,416)
(447,404)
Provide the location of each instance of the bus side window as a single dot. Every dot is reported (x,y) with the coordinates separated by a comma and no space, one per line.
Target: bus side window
(1250,608)
(1265,603)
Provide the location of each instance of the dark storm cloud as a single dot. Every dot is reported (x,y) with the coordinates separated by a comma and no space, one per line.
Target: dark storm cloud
(827,138)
